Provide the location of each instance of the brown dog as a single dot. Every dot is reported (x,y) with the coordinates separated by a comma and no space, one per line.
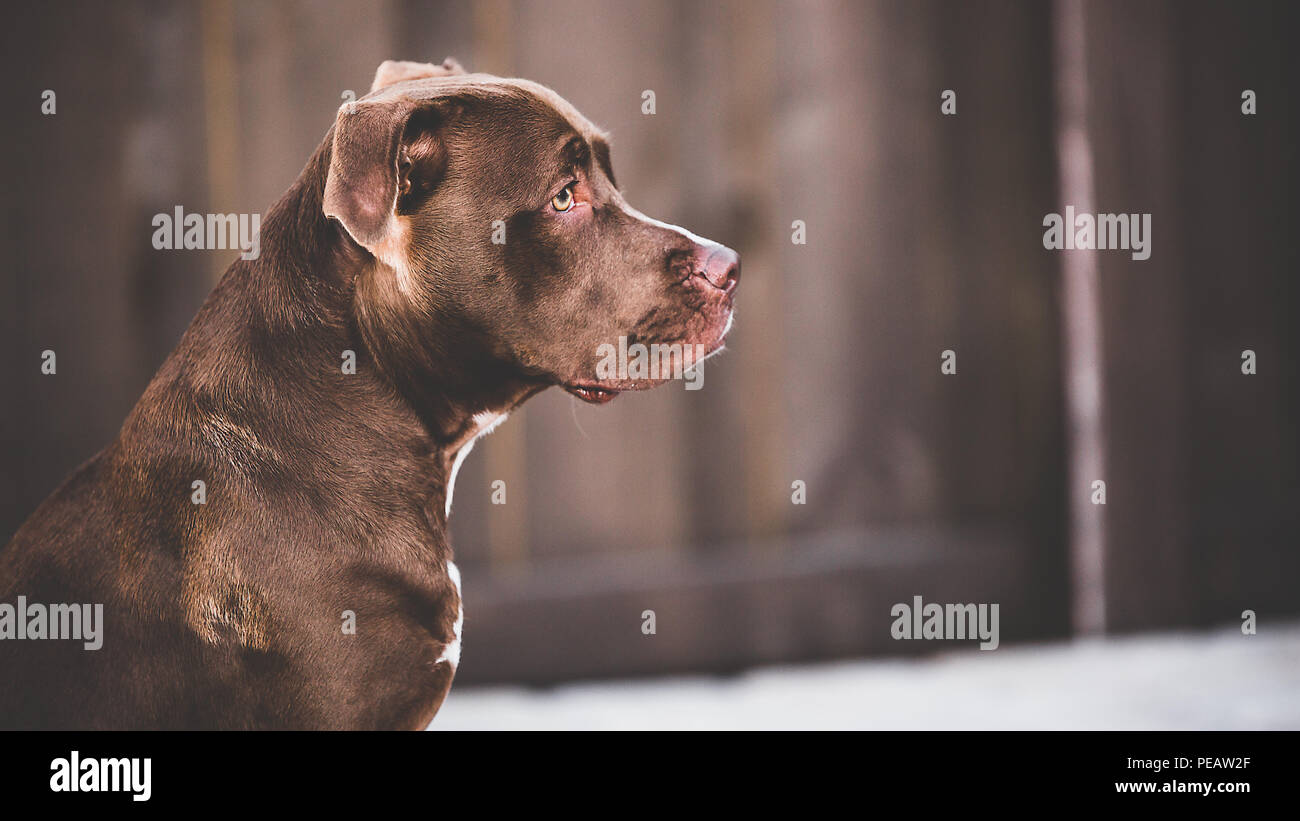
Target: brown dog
(461,236)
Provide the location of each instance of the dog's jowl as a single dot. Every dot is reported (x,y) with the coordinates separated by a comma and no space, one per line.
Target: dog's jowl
(462,236)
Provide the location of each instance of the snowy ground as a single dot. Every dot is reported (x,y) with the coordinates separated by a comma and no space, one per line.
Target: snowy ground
(1175,681)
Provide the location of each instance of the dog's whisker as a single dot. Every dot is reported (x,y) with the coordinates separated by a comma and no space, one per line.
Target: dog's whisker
(573,411)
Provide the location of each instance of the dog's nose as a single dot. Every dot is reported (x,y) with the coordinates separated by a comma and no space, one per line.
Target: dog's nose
(720,266)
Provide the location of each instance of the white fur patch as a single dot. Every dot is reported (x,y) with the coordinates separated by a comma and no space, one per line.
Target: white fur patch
(451,653)
(695,238)
(484,423)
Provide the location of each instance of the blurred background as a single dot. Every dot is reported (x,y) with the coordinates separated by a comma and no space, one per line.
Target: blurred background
(924,234)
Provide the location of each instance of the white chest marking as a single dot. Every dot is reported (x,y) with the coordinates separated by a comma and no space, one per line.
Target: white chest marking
(451,653)
(484,424)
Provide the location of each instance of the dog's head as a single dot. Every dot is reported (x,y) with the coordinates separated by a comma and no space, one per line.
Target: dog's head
(491,204)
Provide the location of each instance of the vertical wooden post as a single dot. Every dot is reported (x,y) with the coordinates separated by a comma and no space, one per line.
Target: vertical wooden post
(221,114)
(1080,309)
(754,174)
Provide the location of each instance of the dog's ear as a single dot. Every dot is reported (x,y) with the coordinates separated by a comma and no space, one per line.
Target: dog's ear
(395,71)
(386,158)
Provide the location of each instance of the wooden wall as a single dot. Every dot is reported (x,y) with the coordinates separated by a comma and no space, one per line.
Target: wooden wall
(923,235)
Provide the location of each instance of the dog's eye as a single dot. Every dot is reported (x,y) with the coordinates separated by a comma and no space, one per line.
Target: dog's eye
(563,201)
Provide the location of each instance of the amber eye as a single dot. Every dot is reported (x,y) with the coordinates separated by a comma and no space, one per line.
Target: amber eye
(563,201)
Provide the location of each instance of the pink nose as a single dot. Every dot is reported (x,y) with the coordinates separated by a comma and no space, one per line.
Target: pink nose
(719,265)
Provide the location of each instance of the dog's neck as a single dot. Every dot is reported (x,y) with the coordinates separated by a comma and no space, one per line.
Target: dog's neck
(259,351)
(442,365)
